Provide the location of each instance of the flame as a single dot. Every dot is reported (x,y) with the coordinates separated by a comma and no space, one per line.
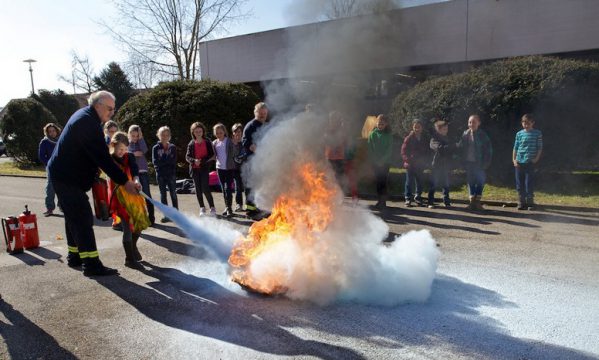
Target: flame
(300,214)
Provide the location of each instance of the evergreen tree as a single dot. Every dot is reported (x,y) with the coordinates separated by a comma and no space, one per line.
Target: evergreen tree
(114,79)
(60,104)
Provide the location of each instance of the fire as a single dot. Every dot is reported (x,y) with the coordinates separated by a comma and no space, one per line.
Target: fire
(299,215)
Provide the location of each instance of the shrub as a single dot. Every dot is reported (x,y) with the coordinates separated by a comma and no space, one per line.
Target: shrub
(178,104)
(561,93)
(60,104)
(22,128)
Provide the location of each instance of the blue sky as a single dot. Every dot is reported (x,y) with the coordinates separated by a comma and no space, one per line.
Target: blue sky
(48,31)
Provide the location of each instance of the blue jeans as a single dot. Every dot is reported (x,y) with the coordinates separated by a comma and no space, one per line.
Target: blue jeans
(171,184)
(525,181)
(414,175)
(144,180)
(50,194)
(475,176)
(440,180)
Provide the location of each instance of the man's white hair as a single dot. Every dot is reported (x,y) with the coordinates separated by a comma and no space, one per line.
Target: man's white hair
(98,96)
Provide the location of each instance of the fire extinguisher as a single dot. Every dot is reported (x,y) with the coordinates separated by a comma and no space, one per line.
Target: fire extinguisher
(100,195)
(28,229)
(12,236)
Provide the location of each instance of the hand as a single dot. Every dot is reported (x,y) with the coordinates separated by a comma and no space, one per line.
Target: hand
(197,161)
(138,153)
(253,148)
(131,187)
(515,163)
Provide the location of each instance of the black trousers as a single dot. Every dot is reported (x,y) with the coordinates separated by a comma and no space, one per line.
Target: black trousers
(202,186)
(226,183)
(78,220)
(381,173)
(238,186)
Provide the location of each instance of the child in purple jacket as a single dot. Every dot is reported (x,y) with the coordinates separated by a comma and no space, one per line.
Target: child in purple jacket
(137,146)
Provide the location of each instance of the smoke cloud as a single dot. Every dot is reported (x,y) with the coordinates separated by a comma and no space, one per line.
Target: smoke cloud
(347,260)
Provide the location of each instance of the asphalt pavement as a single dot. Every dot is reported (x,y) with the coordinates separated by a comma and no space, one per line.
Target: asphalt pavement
(509,285)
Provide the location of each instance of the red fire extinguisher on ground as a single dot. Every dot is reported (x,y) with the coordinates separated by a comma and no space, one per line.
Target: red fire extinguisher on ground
(12,235)
(100,195)
(28,229)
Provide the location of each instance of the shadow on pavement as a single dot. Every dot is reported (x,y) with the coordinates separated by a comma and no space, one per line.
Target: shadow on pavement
(47,254)
(203,307)
(393,216)
(450,318)
(25,340)
(177,247)
(29,259)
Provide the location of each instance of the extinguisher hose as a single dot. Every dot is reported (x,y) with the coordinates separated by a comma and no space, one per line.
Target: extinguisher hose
(4,231)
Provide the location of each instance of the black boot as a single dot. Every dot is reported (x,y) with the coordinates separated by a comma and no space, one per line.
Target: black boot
(129,256)
(73,260)
(521,203)
(136,254)
(94,267)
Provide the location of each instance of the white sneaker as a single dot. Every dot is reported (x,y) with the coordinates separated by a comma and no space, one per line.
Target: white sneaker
(202,212)
(213,212)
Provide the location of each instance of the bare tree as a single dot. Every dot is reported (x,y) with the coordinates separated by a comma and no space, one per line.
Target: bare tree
(143,74)
(335,9)
(164,35)
(82,77)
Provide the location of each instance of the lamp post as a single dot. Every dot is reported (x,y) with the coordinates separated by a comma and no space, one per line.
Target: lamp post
(31,73)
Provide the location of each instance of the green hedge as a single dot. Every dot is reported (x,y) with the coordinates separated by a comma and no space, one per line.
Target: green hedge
(22,128)
(562,94)
(178,104)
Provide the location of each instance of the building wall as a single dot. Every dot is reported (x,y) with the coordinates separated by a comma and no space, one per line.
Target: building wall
(444,33)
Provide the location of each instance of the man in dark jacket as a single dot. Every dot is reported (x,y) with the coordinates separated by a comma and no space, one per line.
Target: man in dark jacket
(248,142)
(80,150)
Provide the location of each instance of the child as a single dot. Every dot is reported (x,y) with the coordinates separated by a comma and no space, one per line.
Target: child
(335,145)
(199,154)
(237,130)
(380,145)
(51,134)
(130,208)
(415,153)
(137,146)
(224,150)
(477,152)
(110,128)
(528,147)
(441,165)
(164,158)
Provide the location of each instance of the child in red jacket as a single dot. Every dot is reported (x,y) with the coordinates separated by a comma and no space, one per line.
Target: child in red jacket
(130,208)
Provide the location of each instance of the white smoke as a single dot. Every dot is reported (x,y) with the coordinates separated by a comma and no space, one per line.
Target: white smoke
(348,260)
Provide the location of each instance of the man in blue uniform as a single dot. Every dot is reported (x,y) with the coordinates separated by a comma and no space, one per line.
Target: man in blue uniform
(80,151)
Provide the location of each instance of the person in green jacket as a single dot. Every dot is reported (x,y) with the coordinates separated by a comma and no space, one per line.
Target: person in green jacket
(380,145)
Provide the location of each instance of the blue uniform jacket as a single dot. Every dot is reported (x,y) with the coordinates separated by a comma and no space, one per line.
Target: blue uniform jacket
(81,150)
